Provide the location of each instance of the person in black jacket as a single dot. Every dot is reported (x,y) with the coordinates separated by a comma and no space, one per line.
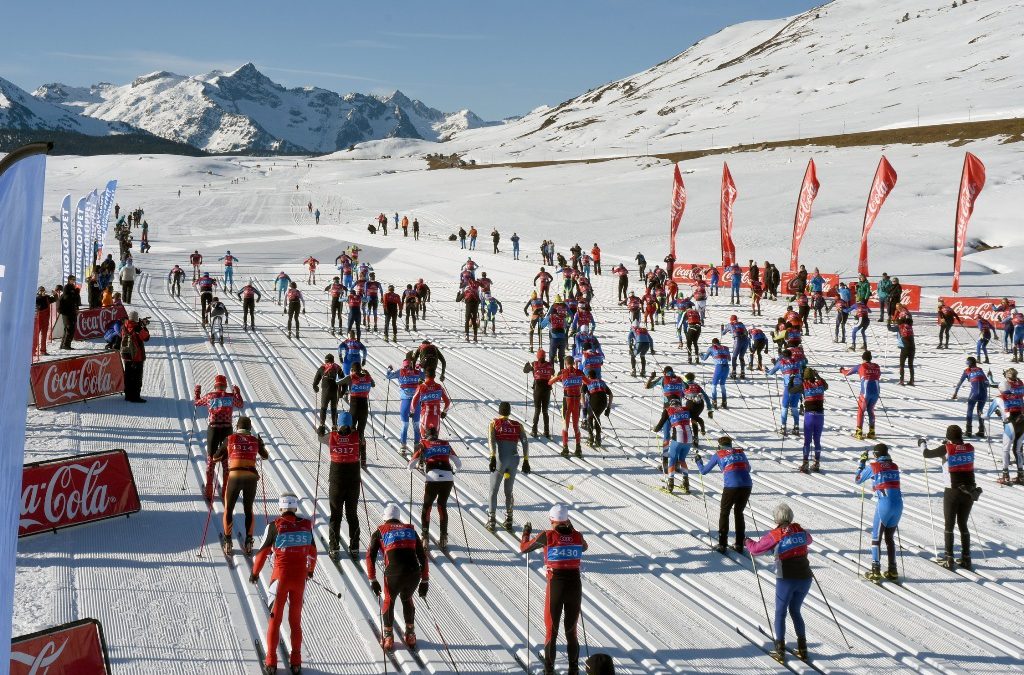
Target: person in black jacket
(325,381)
(959,497)
(67,305)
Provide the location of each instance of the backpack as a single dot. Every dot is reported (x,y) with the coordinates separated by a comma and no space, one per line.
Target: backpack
(128,347)
(600,664)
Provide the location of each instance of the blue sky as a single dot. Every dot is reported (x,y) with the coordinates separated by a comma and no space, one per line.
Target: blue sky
(497,58)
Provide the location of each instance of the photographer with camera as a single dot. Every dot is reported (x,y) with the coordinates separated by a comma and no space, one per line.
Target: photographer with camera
(134,335)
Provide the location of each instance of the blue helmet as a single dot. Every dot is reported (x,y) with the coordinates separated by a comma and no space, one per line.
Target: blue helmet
(345,420)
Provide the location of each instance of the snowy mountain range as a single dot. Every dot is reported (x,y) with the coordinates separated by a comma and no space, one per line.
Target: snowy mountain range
(238,111)
(849,65)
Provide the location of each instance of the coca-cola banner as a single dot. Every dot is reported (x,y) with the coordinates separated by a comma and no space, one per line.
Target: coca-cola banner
(972,309)
(971,183)
(76,648)
(75,490)
(881,186)
(676,209)
(729,194)
(92,323)
(831,282)
(802,218)
(911,298)
(685,273)
(77,378)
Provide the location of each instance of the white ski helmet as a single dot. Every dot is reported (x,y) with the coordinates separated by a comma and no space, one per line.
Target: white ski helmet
(559,513)
(392,512)
(288,502)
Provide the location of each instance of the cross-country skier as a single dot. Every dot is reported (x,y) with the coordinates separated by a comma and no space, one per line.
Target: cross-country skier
(598,400)
(945,318)
(240,451)
(423,292)
(392,304)
(290,539)
(351,351)
(740,344)
(813,390)
(689,323)
(556,323)
(870,391)
(294,300)
(736,488)
(671,386)
(325,382)
(491,308)
(336,292)
(358,383)
(985,332)
(218,317)
(311,264)
(542,370)
(959,497)
(174,280)
(470,296)
(438,461)
(789,542)
(411,304)
(792,389)
(862,313)
(221,406)
(563,549)
(885,482)
(344,483)
(545,279)
(428,400)
(640,343)
(504,436)
(355,313)
(249,295)
(205,285)
(571,379)
(427,356)
(1010,405)
(409,378)
(696,400)
(758,347)
(720,354)
(196,260)
(978,396)
(535,309)
(405,570)
(680,440)
(229,270)
(281,282)
(904,329)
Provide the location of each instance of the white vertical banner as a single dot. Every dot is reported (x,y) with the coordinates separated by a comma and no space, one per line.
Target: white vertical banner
(22,175)
(108,204)
(92,221)
(79,241)
(66,259)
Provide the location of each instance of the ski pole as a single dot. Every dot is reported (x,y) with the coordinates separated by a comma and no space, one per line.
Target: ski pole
(860,530)
(316,490)
(764,604)
(332,592)
(462,519)
(583,620)
(440,634)
(206,527)
(384,653)
(704,496)
(823,597)
(567,486)
(980,547)
(927,488)
(263,488)
(529,650)
(410,496)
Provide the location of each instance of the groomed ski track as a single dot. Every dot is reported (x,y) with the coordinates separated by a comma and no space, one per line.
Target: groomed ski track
(656,597)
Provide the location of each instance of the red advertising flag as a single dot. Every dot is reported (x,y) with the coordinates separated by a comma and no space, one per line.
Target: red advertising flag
(808,191)
(77,647)
(678,206)
(76,490)
(77,378)
(971,182)
(729,194)
(881,186)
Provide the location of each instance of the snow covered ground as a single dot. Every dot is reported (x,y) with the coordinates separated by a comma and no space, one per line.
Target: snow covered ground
(656,598)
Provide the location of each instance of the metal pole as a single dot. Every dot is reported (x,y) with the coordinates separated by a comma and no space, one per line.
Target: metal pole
(860,530)
(848,645)
(462,519)
(761,590)
(928,489)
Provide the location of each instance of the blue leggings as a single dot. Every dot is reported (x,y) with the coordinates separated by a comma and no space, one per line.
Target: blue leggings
(405,411)
(971,405)
(739,350)
(887,517)
(814,422)
(677,453)
(790,402)
(789,596)
(982,346)
(863,331)
(229,276)
(718,380)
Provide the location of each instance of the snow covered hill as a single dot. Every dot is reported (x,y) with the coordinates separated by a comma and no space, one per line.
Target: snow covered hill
(245,111)
(849,65)
(20,110)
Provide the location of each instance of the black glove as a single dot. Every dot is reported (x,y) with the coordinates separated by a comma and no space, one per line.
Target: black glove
(253,578)
(316,389)
(493,465)
(303,310)
(711,414)
(527,529)
(526,466)
(375,587)
(444,414)
(424,587)
(442,377)
(920,441)
(322,429)
(309,575)
(696,456)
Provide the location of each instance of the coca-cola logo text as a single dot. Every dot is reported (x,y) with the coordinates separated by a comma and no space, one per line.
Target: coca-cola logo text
(76,379)
(972,309)
(93,323)
(76,647)
(75,490)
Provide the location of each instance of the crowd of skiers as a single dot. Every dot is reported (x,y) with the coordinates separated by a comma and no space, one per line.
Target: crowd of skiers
(572,358)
